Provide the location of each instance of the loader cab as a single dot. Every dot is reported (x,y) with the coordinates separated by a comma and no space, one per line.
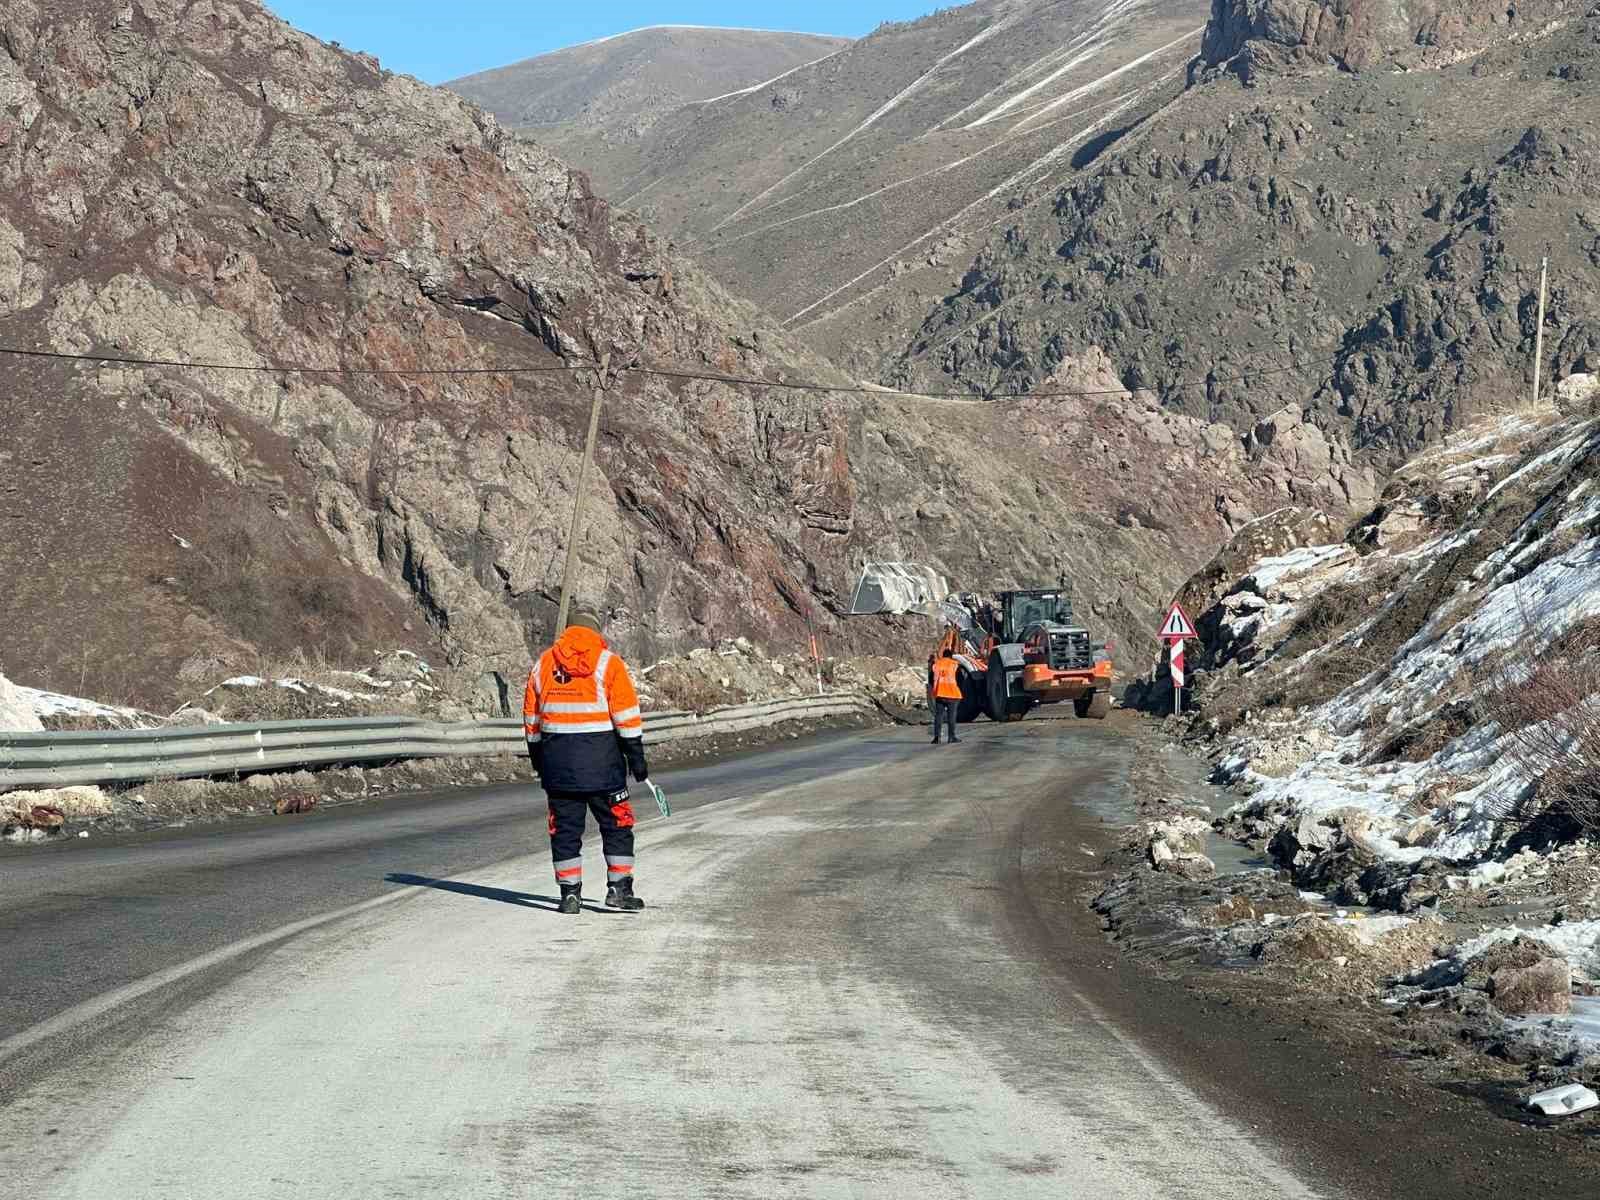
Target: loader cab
(1021,611)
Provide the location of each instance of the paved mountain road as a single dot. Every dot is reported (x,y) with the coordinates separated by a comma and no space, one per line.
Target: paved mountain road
(835,991)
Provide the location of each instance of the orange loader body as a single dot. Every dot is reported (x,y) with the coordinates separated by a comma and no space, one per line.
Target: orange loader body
(1006,680)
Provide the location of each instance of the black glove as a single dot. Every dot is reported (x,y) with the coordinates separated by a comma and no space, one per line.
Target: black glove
(536,756)
(633,751)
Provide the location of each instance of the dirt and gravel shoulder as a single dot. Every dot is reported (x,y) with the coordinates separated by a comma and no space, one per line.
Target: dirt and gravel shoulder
(1377,1099)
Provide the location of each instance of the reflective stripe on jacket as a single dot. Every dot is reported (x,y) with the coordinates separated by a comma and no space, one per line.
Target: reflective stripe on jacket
(580,713)
(945,684)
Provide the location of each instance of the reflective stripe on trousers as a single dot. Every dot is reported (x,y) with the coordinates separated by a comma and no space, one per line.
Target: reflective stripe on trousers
(569,813)
(569,870)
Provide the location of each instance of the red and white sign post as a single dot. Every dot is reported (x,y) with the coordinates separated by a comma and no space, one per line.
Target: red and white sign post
(1175,630)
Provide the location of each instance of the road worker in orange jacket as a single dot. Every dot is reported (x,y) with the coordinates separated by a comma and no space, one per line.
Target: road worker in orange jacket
(944,693)
(585,736)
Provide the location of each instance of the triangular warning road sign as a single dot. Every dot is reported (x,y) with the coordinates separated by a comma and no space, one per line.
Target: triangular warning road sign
(1177,626)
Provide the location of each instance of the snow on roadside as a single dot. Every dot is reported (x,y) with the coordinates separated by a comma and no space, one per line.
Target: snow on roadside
(1514,595)
(55,704)
(303,687)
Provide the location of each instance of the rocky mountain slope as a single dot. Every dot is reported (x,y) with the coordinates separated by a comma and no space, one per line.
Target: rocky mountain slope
(616,88)
(846,197)
(193,181)
(1395,673)
(1346,212)
(1407,704)
(1334,208)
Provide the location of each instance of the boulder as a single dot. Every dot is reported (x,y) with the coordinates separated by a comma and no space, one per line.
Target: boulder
(400,665)
(490,694)
(193,715)
(1398,887)
(1326,846)
(1576,391)
(1194,867)
(1424,831)
(1184,835)
(1516,954)
(1542,988)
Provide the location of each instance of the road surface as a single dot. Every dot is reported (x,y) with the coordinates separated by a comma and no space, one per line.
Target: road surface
(839,988)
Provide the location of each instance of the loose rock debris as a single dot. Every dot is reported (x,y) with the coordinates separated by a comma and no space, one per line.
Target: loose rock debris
(1401,855)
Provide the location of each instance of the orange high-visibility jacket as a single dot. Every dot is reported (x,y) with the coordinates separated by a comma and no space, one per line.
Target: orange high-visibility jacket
(945,684)
(580,713)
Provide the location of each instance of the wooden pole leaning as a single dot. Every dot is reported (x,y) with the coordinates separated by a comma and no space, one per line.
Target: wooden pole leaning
(576,531)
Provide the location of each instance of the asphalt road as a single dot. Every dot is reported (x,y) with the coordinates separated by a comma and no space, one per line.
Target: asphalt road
(839,989)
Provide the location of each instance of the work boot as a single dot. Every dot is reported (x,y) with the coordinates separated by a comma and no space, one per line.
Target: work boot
(572,898)
(620,896)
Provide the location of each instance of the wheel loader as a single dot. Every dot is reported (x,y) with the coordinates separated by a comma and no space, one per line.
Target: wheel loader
(1023,651)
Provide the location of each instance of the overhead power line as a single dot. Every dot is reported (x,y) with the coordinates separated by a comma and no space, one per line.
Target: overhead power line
(283,368)
(640,369)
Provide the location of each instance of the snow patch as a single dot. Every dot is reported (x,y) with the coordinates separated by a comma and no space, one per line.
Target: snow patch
(55,704)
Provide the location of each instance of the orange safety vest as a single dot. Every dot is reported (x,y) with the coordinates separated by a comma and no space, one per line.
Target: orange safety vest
(945,686)
(580,686)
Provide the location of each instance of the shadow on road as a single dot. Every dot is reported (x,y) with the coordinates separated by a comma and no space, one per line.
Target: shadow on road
(522,899)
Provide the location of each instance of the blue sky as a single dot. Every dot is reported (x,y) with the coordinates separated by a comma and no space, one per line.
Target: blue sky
(438,41)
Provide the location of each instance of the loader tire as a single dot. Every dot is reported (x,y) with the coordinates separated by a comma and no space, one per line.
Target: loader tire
(971,706)
(1094,707)
(1000,706)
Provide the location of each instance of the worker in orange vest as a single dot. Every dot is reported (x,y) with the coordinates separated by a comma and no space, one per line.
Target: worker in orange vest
(944,693)
(585,736)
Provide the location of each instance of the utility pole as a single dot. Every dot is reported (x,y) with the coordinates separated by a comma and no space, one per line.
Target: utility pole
(1538,336)
(577,501)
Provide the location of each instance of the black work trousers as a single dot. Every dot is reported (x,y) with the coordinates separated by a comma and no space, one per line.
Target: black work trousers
(568,815)
(945,711)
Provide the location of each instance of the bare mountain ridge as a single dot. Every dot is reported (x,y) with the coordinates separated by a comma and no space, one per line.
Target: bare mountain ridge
(1361,245)
(619,86)
(846,197)
(1333,208)
(194,180)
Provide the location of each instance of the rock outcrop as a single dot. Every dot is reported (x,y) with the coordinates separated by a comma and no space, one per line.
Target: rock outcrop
(1358,35)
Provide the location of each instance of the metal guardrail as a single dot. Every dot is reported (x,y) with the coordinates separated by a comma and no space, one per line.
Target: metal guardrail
(133,756)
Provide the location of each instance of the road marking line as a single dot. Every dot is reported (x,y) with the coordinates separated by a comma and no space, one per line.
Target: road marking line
(69,1019)
(78,1014)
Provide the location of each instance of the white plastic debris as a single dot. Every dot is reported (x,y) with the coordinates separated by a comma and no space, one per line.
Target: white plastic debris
(898,588)
(1565,1101)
